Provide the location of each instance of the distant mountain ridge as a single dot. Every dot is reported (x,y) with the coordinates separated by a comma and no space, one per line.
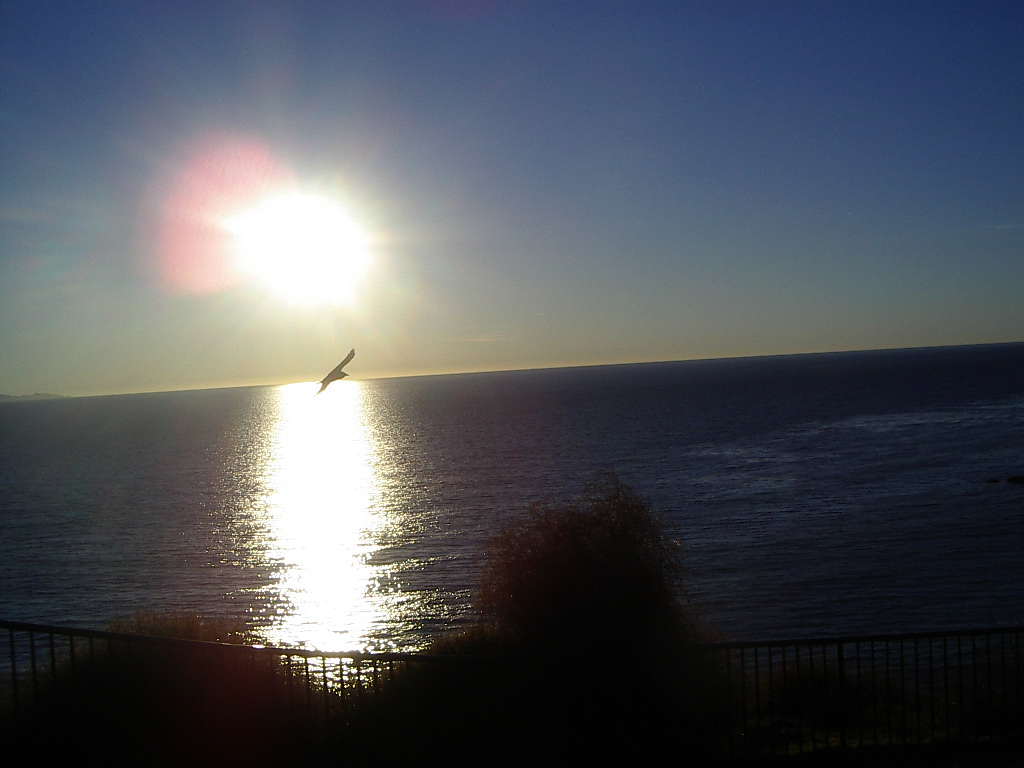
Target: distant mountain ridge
(35,396)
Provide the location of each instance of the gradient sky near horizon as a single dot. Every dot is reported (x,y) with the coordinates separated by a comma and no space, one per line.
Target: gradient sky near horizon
(539,183)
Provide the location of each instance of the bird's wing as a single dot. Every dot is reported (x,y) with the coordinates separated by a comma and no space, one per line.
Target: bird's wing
(336,373)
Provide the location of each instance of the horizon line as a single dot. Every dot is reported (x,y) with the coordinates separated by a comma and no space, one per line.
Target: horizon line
(51,395)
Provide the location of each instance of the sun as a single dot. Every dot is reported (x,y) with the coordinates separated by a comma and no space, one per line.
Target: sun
(304,247)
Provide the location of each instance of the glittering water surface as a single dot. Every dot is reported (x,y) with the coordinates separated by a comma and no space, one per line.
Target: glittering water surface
(822,494)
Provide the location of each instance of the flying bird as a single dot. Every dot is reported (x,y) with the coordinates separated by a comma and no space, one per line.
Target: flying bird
(337,373)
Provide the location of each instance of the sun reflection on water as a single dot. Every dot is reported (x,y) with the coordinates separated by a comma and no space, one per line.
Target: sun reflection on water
(322,514)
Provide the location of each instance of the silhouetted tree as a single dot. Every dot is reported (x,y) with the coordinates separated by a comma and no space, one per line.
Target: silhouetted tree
(582,652)
(597,572)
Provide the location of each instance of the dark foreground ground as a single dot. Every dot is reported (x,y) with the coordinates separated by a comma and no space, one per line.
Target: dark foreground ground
(1002,755)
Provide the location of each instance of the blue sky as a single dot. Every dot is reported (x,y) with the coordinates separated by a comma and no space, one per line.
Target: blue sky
(541,184)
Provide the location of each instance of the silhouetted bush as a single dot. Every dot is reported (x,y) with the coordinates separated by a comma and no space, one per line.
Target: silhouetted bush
(583,650)
(599,572)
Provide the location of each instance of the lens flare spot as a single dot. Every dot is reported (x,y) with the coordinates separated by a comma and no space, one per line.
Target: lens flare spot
(218,175)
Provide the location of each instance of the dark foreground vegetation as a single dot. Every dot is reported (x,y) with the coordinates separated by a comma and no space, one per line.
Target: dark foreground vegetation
(148,703)
(578,652)
(582,650)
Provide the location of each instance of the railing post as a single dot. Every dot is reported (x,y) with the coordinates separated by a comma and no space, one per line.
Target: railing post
(14,670)
(32,662)
(841,693)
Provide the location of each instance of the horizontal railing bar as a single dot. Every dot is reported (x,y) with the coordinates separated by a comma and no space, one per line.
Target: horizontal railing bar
(848,639)
(96,634)
(408,656)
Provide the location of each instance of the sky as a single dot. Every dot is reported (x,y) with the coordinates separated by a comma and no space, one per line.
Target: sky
(516,184)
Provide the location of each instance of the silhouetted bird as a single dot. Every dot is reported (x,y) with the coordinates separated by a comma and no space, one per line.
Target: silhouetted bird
(337,373)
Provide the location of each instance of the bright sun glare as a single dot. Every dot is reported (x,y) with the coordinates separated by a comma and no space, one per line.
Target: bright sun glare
(304,247)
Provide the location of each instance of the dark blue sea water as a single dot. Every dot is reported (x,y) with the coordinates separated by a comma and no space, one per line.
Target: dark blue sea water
(816,494)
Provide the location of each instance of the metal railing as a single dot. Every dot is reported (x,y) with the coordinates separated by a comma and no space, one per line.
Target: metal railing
(911,689)
(36,658)
(766,698)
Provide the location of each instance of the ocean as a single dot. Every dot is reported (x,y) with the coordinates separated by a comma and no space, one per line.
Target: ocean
(813,495)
